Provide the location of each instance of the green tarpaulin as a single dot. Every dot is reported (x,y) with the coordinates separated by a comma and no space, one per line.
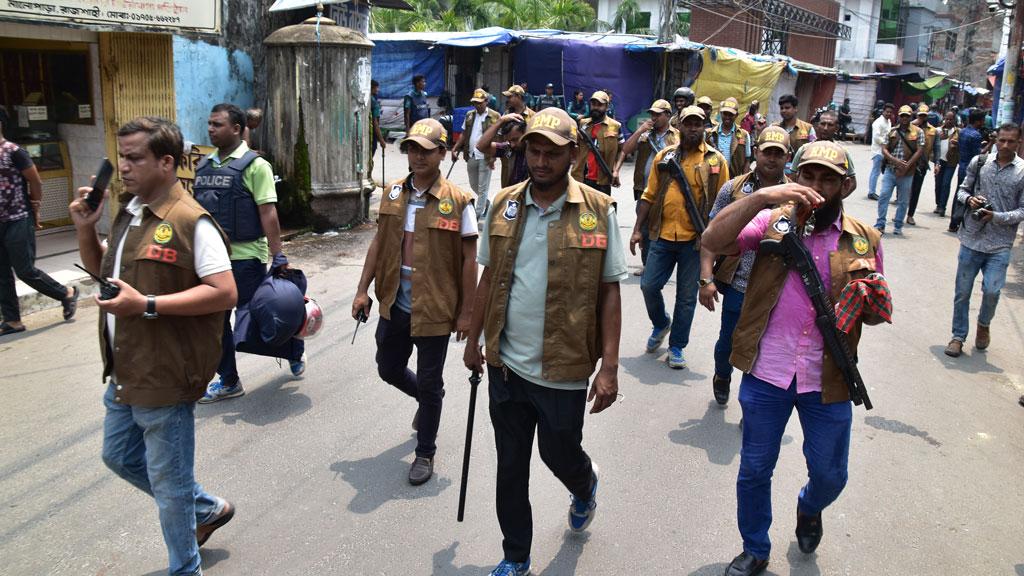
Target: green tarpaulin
(931,88)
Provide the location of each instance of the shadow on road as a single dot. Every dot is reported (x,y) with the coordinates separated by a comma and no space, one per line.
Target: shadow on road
(801,564)
(382,478)
(1020,569)
(267,404)
(651,369)
(211,556)
(897,427)
(719,569)
(711,433)
(972,363)
(568,555)
(444,564)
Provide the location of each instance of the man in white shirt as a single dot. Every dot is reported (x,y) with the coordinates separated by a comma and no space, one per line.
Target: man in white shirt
(478,164)
(879,132)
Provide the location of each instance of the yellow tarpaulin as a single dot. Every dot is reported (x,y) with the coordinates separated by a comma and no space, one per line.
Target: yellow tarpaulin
(726,75)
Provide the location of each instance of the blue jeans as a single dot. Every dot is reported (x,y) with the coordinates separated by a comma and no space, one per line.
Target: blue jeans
(943,181)
(826,427)
(902,185)
(993,276)
(876,170)
(662,257)
(732,303)
(154,450)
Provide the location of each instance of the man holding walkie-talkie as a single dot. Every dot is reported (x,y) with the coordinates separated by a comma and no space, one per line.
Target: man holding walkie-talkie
(674,208)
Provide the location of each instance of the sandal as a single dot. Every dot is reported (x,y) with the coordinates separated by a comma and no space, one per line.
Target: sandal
(6,329)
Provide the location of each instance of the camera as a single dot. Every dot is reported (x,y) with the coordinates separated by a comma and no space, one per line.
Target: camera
(976,213)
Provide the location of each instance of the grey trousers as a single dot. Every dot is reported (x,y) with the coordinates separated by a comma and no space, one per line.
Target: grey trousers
(480,182)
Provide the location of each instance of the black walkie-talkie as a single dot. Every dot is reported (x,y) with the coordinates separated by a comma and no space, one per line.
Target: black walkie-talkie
(108,290)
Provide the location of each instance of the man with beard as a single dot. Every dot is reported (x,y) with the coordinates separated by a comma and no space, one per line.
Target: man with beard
(606,133)
(826,130)
(675,241)
(924,163)
(904,146)
(650,138)
(681,99)
(517,101)
(548,305)
(729,277)
(423,264)
(782,353)
(731,140)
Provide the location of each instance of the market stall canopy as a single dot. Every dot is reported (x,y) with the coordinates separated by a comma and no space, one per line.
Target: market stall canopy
(932,88)
(280,5)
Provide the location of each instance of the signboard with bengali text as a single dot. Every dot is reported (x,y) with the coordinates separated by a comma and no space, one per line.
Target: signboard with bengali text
(167,15)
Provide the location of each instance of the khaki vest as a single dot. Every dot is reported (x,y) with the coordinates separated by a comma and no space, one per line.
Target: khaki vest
(644,151)
(800,135)
(490,117)
(737,149)
(766,283)
(607,143)
(171,359)
(706,185)
(725,270)
(953,152)
(929,144)
(576,249)
(894,140)
(437,255)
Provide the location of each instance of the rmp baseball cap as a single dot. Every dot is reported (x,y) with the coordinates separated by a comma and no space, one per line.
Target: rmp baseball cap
(553,124)
(773,136)
(705,100)
(906,110)
(514,89)
(428,133)
(825,153)
(692,111)
(922,110)
(600,96)
(729,105)
(660,107)
(479,96)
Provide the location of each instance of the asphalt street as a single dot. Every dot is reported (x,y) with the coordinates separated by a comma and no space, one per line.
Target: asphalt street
(317,466)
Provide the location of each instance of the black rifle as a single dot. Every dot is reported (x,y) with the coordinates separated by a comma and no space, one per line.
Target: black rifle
(669,163)
(474,381)
(597,154)
(797,257)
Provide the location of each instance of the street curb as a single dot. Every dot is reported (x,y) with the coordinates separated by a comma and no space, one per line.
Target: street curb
(36,302)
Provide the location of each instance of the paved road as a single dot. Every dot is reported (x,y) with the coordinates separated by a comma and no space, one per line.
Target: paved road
(317,466)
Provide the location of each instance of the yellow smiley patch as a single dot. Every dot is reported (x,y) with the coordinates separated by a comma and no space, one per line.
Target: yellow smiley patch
(163,233)
(445,206)
(713,161)
(588,221)
(860,245)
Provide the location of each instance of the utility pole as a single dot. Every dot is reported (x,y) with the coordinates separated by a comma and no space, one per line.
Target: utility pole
(1011,65)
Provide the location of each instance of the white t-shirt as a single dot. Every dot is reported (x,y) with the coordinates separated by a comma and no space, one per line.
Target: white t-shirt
(879,133)
(210,254)
(474,136)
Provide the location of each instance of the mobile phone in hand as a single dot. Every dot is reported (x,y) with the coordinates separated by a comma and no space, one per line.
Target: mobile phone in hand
(99,186)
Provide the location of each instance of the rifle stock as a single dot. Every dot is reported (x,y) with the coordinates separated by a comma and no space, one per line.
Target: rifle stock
(597,154)
(669,163)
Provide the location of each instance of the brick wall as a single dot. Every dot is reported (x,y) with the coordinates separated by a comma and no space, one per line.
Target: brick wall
(744,32)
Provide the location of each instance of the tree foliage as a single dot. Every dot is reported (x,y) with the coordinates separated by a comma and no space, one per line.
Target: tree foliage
(466,15)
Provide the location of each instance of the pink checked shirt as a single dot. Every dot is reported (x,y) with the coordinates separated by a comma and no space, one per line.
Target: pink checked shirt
(791,345)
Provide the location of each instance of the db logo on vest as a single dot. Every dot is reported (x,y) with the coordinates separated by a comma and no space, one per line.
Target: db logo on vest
(154,252)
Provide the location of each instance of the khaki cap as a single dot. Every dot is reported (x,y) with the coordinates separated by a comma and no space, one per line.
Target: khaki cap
(705,100)
(773,137)
(660,106)
(479,96)
(428,133)
(601,97)
(825,153)
(923,109)
(729,105)
(514,89)
(905,110)
(553,124)
(691,111)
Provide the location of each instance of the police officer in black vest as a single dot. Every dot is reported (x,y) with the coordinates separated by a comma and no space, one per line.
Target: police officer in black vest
(415,102)
(236,186)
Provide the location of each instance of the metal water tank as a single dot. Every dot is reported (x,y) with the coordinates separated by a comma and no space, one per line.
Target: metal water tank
(318,111)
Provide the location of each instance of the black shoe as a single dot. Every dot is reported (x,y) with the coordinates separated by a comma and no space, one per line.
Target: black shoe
(872,196)
(70,304)
(808,532)
(721,388)
(421,471)
(746,565)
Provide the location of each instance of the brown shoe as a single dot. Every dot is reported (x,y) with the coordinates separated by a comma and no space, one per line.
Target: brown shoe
(955,348)
(983,339)
(910,221)
(204,531)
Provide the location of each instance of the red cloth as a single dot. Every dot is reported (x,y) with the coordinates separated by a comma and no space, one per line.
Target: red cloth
(868,295)
(593,172)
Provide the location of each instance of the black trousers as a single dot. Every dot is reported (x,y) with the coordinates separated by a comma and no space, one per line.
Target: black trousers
(606,188)
(518,408)
(18,257)
(915,190)
(426,385)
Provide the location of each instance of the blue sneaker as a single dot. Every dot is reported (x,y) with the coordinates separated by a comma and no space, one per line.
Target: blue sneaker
(658,336)
(581,513)
(298,366)
(675,358)
(217,391)
(509,568)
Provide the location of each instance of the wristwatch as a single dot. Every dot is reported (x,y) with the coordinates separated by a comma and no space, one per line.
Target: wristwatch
(150,313)
(705,281)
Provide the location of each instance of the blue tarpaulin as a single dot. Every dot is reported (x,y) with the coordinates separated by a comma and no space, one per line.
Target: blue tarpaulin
(395,63)
(492,36)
